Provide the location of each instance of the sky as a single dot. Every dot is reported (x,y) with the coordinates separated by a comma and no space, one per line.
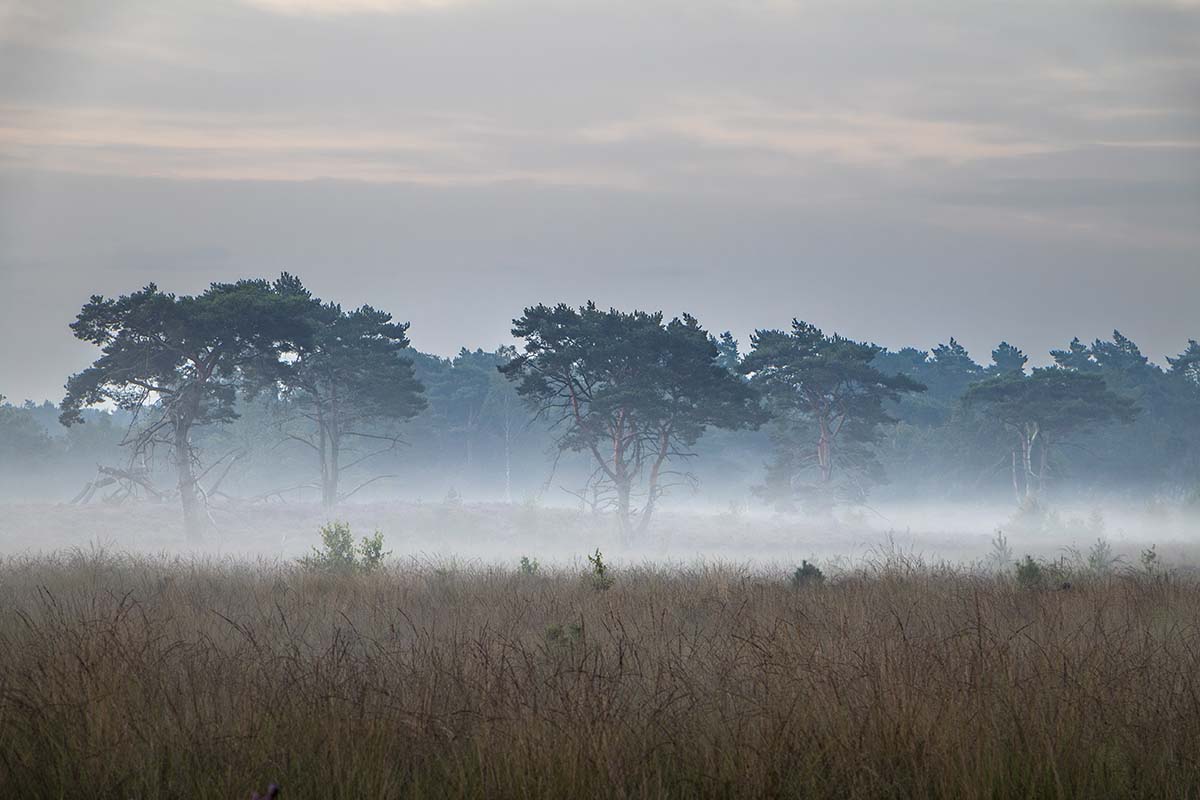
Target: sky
(896,172)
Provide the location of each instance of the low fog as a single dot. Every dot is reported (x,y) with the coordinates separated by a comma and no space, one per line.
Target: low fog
(487,534)
(478,459)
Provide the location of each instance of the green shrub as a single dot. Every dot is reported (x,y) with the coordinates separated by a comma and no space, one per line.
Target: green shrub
(1030,574)
(528,566)
(564,635)
(807,575)
(1149,566)
(1001,555)
(598,576)
(371,554)
(1100,558)
(338,553)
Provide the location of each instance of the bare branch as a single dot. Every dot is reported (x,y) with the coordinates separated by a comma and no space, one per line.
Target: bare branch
(362,485)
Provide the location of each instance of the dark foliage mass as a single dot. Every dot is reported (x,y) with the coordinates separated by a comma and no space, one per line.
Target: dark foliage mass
(175,362)
(347,381)
(257,391)
(631,391)
(1043,409)
(828,400)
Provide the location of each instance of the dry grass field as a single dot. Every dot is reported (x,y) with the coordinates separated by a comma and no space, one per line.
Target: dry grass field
(137,677)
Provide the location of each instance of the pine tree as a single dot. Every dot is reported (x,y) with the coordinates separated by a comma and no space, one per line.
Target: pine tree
(634,392)
(828,399)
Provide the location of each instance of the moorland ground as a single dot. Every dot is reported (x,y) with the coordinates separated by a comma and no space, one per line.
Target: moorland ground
(139,677)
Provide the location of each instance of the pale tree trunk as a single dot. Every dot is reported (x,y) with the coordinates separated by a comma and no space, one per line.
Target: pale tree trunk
(825,452)
(470,447)
(1027,462)
(331,472)
(1041,464)
(1016,484)
(1030,438)
(189,497)
(623,508)
(507,460)
(323,455)
(621,478)
(328,450)
(1029,441)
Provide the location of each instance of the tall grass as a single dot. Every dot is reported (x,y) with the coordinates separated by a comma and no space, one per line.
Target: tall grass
(131,677)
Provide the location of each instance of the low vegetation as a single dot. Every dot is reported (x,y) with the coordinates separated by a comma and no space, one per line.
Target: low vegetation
(338,553)
(132,677)
(807,575)
(598,575)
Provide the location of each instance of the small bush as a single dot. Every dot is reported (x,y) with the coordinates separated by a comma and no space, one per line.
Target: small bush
(1001,555)
(564,635)
(528,566)
(338,553)
(1100,558)
(1099,561)
(1149,566)
(1030,574)
(807,575)
(598,576)
(1149,560)
(371,554)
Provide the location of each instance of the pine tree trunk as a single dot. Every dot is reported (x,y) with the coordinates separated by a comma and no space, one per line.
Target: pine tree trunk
(189,498)
(644,519)
(331,472)
(1027,463)
(623,508)
(1015,483)
(825,454)
(1029,439)
(507,462)
(664,449)
(1041,465)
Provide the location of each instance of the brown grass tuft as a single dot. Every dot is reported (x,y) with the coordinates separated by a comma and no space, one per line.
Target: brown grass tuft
(137,678)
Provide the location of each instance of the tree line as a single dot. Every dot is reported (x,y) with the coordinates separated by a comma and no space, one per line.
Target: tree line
(632,403)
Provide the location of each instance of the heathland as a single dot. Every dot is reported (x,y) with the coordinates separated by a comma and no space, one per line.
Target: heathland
(138,676)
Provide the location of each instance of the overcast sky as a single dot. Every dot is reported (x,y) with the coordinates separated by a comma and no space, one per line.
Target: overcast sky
(899,172)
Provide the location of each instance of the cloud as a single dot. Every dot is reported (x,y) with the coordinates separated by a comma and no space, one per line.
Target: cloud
(104,32)
(342,7)
(860,138)
(741,138)
(433,150)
